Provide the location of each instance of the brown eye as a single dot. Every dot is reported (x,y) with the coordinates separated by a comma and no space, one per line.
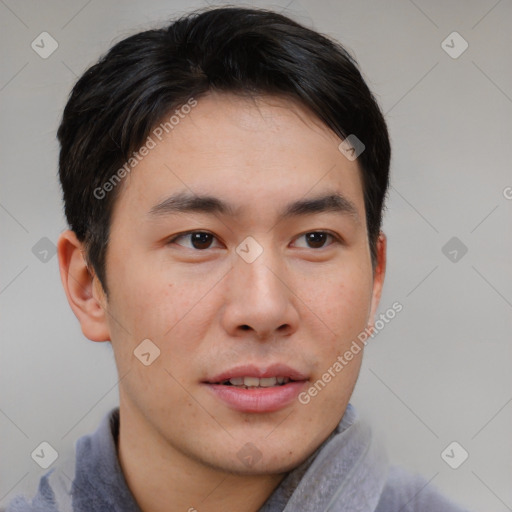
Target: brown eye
(199,240)
(314,240)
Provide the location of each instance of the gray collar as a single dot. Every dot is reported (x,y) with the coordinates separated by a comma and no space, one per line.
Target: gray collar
(347,472)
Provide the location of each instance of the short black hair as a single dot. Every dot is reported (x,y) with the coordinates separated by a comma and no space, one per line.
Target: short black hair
(116,103)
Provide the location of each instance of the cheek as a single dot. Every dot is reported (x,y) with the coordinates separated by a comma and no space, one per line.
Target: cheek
(341,300)
(160,304)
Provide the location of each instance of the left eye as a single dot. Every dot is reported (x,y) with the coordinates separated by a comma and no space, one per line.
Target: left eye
(195,240)
(315,239)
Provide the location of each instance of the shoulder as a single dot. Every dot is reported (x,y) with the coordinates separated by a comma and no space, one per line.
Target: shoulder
(77,478)
(44,501)
(411,493)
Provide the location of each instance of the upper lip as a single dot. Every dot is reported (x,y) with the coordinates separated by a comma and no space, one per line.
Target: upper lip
(273,370)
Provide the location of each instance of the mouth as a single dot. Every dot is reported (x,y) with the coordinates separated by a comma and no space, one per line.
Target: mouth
(257,389)
(255,382)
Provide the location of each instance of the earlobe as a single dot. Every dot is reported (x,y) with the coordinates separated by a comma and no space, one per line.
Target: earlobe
(83,290)
(378,277)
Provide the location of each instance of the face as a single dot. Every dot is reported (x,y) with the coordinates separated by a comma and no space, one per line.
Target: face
(239,249)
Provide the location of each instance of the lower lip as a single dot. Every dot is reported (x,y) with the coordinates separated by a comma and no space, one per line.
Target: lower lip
(258,399)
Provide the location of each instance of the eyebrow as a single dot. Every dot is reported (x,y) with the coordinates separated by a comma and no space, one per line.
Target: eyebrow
(184,202)
(326,203)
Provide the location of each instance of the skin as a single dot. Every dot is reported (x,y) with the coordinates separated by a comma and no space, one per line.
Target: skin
(299,305)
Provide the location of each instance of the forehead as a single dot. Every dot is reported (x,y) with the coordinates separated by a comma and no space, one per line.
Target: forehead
(256,153)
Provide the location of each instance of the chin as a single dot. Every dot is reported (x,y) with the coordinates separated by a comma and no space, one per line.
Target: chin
(256,456)
(277,464)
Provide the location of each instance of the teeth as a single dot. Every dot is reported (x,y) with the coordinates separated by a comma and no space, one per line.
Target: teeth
(268,382)
(251,381)
(254,382)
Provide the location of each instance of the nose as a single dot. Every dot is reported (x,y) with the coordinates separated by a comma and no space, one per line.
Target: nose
(260,302)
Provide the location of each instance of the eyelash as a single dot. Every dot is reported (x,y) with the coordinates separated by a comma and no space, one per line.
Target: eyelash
(334,236)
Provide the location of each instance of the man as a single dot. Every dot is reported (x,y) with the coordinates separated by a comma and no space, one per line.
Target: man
(224,180)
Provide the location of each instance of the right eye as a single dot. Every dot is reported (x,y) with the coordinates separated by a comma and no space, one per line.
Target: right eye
(199,240)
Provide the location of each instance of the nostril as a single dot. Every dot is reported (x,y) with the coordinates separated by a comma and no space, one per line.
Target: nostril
(245,327)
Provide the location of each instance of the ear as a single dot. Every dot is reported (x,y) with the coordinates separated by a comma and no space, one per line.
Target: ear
(378,277)
(83,289)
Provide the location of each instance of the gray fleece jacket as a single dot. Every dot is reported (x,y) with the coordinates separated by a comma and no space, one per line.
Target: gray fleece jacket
(347,473)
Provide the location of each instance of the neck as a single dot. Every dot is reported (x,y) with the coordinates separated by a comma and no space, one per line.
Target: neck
(162,478)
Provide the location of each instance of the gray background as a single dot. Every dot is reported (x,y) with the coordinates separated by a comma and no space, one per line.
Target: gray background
(439,372)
